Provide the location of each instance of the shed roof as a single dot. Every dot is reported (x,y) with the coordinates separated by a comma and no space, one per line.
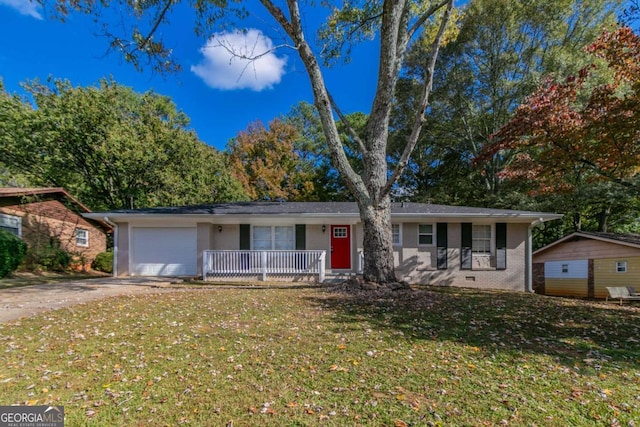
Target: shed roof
(626,239)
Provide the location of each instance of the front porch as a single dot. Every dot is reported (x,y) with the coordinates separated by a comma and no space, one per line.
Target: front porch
(263,265)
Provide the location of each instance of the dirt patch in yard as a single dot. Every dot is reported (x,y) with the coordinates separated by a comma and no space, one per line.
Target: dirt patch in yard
(23,301)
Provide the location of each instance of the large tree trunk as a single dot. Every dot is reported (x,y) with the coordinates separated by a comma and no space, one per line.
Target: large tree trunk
(603,219)
(377,242)
(371,190)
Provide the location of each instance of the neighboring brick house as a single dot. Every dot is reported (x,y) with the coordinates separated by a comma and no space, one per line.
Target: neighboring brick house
(40,215)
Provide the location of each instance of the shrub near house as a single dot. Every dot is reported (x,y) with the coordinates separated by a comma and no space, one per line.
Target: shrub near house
(12,251)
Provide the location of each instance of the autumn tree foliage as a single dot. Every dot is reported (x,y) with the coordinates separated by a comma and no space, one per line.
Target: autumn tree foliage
(265,162)
(579,127)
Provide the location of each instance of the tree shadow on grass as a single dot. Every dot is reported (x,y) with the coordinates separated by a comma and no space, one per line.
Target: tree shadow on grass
(574,332)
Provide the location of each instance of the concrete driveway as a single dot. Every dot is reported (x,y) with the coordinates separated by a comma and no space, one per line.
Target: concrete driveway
(29,300)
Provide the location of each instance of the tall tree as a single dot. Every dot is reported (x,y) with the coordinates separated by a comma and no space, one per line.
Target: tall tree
(12,112)
(577,125)
(503,49)
(579,140)
(397,24)
(579,136)
(111,147)
(265,162)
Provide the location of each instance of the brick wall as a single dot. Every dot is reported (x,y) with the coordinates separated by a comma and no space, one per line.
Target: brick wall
(538,278)
(44,220)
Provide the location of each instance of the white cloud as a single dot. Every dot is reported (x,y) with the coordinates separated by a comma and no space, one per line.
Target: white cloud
(240,60)
(24,7)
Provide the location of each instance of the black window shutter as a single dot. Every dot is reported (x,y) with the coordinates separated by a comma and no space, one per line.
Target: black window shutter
(245,237)
(441,238)
(466,246)
(501,246)
(301,237)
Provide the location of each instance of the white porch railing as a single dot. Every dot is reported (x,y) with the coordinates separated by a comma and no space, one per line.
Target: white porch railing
(263,263)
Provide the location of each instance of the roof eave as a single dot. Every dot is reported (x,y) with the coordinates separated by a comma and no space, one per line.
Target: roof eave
(586,236)
(531,218)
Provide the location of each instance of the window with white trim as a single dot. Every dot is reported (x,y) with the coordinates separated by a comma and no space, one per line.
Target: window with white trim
(621,266)
(267,238)
(284,238)
(340,232)
(82,237)
(481,239)
(425,234)
(396,236)
(11,223)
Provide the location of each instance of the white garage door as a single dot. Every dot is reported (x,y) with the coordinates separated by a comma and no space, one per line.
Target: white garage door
(161,251)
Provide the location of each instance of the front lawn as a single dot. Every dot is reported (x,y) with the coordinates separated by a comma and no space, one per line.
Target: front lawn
(294,357)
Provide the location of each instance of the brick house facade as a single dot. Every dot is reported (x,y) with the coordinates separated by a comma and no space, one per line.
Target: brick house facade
(40,215)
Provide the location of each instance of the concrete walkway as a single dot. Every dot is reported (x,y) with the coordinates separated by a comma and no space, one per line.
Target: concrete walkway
(29,300)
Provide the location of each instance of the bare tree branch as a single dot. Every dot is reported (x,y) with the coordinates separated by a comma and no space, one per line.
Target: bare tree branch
(156,24)
(423,18)
(250,57)
(352,133)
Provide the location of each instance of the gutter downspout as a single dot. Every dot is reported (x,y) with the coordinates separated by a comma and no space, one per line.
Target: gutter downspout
(528,276)
(115,245)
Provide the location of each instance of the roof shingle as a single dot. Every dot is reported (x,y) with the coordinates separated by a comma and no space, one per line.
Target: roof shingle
(320,208)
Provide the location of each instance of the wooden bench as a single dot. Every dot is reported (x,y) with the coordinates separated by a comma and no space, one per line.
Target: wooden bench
(622,293)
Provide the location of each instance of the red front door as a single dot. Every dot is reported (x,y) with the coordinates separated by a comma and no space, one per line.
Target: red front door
(340,247)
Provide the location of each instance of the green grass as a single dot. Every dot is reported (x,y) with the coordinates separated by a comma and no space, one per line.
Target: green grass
(305,357)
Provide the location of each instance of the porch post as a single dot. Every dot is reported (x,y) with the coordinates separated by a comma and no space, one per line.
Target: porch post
(321,270)
(263,265)
(205,265)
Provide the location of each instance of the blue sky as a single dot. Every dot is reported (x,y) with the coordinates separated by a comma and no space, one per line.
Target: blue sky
(220,98)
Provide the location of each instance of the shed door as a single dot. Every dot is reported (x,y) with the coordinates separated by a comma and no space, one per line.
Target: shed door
(340,247)
(160,251)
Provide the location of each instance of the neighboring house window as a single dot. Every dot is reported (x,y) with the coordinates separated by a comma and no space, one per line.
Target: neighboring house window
(12,224)
(395,234)
(425,234)
(621,266)
(82,237)
(565,268)
(481,239)
(267,238)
